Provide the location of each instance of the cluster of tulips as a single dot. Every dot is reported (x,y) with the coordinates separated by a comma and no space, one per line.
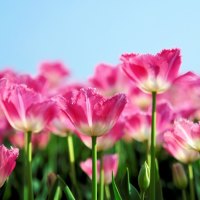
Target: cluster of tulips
(140,113)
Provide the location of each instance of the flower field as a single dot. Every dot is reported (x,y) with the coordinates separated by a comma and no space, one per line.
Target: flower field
(129,131)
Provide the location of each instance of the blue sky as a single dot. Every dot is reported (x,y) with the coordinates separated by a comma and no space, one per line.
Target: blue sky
(85,33)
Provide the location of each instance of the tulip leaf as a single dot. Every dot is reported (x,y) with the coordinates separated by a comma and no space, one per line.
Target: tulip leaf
(65,189)
(115,190)
(159,194)
(52,194)
(129,191)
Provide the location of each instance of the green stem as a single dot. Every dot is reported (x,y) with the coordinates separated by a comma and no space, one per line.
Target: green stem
(191,182)
(25,192)
(101,177)
(71,158)
(184,195)
(94,168)
(72,163)
(107,192)
(142,195)
(28,169)
(153,147)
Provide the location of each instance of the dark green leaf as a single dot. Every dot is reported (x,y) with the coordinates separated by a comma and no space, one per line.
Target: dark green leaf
(65,189)
(115,190)
(129,192)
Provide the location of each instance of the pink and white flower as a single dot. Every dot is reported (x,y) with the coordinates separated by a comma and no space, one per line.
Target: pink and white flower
(110,165)
(152,73)
(61,124)
(7,162)
(54,73)
(109,80)
(188,132)
(25,109)
(179,149)
(39,140)
(90,112)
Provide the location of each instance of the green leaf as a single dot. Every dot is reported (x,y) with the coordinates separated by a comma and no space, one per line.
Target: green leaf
(159,194)
(65,189)
(115,190)
(52,194)
(129,192)
(134,193)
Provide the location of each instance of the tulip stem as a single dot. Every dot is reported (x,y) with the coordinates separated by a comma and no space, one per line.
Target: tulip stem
(191,181)
(184,195)
(94,168)
(28,147)
(71,158)
(153,147)
(101,177)
(107,192)
(142,195)
(72,163)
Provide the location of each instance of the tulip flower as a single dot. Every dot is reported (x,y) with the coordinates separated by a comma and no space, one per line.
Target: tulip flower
(179,149)
(25,109)
(187,133)
(39,140)
(90,112)
(93,115)
(183,142)
(152,73)
(53,72)
(110,164)
(109,80)
(7,162)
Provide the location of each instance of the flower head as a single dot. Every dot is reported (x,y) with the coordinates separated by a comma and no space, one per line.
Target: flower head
(179,148)
(7,162)
(53,72)
(25,109)
(90,112)
(110,164)
(152,73)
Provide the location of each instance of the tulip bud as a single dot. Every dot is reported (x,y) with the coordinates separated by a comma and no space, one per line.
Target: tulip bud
(51,178)
(144,177)
(179,176)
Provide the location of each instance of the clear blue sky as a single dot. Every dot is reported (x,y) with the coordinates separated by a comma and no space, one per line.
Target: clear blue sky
(85,33)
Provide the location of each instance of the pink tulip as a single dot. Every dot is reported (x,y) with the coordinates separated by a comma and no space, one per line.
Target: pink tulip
(152,73)
(188,132)
(106,141)
(39,140)
(109,80)
(110,164)
(90,112)
(25,109)
(54,72)
(179,149)
(138,125)
(139,100)
(7,162)
(184,86)
(61,124)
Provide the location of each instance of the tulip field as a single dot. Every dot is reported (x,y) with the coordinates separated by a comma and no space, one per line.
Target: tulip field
(130,131)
